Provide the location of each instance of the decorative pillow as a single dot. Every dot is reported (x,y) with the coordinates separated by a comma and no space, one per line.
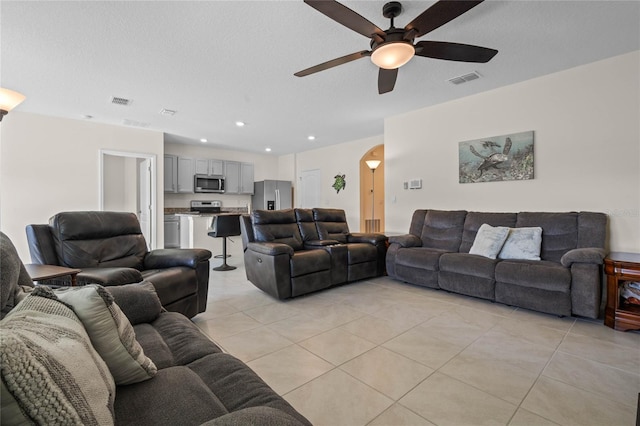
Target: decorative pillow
(50,371)
(522,243)
(110,331)
(489,240)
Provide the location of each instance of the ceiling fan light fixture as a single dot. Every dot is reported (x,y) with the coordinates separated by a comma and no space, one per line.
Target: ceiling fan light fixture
(393,55)
(9,99)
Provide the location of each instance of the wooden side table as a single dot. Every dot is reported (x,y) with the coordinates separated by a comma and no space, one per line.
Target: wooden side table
(46,272)
(621,267)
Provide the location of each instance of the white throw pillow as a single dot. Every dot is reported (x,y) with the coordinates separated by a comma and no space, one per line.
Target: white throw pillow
(522,243)
(110,331)
(489,240)
(50,372)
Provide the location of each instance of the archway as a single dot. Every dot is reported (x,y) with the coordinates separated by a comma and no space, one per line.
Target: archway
(372,191)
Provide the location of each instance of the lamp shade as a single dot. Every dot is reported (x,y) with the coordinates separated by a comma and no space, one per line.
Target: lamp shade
(373,164)
(9,99)
(393,55)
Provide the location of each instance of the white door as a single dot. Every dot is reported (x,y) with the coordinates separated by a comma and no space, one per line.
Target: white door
(145,215)
(310,189)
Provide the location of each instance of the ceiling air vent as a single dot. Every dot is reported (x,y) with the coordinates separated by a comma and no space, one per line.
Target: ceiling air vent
(135,123)
(464,78)
(121,101)
(168,112)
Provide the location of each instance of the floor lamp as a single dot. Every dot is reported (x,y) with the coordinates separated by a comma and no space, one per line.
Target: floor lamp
(373,164)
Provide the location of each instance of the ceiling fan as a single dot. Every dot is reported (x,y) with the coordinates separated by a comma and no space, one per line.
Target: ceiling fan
(395,47)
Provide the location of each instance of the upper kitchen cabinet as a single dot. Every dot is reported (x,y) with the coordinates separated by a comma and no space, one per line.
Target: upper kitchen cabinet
(205,166)
(185,175)
(170,173)
(238,177)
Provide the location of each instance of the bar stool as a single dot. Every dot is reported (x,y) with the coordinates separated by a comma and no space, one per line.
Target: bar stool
(223,226)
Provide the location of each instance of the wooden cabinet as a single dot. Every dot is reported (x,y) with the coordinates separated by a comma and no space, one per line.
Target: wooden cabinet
(238,178)
(205,166)
(621,268)
(185,175)
(170,173)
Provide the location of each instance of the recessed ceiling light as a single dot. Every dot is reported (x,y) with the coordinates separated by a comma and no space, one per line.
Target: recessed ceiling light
(203,140)
(311,138)
(268,149)
(240,123)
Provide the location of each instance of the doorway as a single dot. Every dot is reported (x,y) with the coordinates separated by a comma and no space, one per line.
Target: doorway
(372,191)
(127,184)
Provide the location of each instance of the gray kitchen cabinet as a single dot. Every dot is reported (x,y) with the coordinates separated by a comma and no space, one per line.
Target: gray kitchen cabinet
(246,178)
(170,173)
(232,177)
(185,175)
(206,166)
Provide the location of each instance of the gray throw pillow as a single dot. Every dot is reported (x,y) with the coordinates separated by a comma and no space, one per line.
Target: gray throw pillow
(522,243)
(489,240)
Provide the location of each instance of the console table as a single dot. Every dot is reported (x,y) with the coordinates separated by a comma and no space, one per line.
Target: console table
(621,267)
(46,272)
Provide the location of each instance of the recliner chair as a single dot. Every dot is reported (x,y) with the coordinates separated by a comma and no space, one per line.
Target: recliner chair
(110,249)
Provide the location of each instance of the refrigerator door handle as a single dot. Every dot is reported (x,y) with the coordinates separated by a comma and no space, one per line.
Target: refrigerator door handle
(277,199)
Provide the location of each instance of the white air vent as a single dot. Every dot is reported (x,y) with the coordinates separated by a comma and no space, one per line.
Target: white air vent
(415,184)
(464,78)
(168,112)
(134,123)
(121,101)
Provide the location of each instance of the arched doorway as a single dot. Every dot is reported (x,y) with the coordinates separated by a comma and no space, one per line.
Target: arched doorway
(372,191)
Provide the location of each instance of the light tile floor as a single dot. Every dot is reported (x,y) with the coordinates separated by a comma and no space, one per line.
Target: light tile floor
(381,352)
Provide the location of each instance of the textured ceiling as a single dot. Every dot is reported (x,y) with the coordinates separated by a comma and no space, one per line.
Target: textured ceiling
(217,62)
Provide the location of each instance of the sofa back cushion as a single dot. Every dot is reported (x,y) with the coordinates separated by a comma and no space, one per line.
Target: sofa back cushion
(417,222)
(98,239)
(443,229)
(559,232)
(474,220)
(277,226)
(306,224)
(331,224)
(592,229)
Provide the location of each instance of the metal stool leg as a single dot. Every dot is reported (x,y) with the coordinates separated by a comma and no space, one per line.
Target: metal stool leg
(224,266)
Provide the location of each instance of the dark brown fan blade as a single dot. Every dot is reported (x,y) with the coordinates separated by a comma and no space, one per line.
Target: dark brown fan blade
(439,14)
(333,63)
(454,51)
(345,16)
(386,80)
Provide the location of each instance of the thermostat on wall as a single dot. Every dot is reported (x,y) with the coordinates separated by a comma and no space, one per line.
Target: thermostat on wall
(415,184)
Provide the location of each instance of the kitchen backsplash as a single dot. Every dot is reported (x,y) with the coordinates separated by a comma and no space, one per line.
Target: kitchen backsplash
(174,210)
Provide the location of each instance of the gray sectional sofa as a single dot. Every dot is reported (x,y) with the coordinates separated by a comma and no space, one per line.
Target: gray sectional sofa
(567,280)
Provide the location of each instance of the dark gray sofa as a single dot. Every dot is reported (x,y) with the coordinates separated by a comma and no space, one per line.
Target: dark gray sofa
(567,280)
(111,250)
(288,253)
(196,382)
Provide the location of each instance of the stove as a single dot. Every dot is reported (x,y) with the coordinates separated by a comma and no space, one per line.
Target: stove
(206,206)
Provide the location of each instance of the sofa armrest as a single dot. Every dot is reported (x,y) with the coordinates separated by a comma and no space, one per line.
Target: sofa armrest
(370,238)
(407,240)
(168,258)
(583,255)
(108,276)
(319,243)
(271,249)
(139,302)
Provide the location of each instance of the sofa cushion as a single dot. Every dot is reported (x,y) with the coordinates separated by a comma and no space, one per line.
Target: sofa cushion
(468,264)
(306,262)
(420,257)
(474,220)
(172,284)
(110,332)
(50,368)
(543,275)
(522,243)
(306,224)
(361,252)
(277,226)
(559,232)
(489,241)
(331,224)
(176,396)
(443,229)
(139,301)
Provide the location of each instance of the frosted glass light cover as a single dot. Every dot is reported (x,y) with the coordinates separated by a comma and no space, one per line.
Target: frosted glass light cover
(10,99)
(393,55)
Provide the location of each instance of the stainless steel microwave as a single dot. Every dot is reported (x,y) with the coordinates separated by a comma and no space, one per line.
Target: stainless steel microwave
(208,183)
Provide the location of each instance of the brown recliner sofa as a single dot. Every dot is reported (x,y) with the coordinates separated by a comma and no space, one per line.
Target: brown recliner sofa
(288,253)
(110,249)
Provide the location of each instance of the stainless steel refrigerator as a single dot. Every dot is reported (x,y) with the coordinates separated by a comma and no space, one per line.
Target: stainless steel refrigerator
(271,195)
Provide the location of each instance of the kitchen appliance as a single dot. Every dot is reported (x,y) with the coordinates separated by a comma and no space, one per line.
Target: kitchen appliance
(211,206)
(208,183)
(271,195)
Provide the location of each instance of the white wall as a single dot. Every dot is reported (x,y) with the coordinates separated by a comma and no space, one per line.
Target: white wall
(587,149)
(50,164)
(264,167)
(343,159)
